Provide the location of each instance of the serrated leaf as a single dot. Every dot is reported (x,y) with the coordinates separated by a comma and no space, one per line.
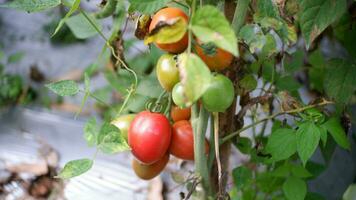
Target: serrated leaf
(147,6)
(31,5)
(294,63)
(316,15)
(294,188)
(75,168)
(90,131)
(267,8)
(210,25)
(282,144)
(13,58)
(340,79)
(308,136)
(81,27)
(317,71)
(73,8)
(110,140)
(287,83)
(337,132)
(194,75)
(169,32)
(64,88)
(241,176)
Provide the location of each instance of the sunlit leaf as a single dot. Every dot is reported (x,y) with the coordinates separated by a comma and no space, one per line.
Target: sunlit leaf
(64,88)
(75,168)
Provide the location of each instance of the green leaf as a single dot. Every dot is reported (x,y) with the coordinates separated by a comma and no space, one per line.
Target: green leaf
(137,103)
(13,58)
(308,136)
(282,144)
(244,145)
(337,132)
(110,140)
(31,5)
(147,6)
(350,193)
(315,168)
(317,70)
(195,76)
(64,88)
(340,79)
(81,27)
(316,15)
(241,176)
(267,8)
(294,63)
(120,82)
(287,83)
(314,196)
(282,171)
(73,8)
(248,83)
(149,87)
(323,134)
(294,188)
(75,168)
(253,37)
(210,25)
(90,131)
(300,172)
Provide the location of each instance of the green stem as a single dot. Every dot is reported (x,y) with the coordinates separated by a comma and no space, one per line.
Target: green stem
(232,135)
(199,124)
(240,15)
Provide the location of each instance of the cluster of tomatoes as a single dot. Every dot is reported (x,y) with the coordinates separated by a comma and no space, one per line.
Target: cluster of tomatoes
(150,135)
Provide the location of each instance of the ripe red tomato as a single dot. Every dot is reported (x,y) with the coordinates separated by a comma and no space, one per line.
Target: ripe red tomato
(164,15)
(147,172)
(182,145)
(214,57)
(123,123)
(149,136)
(178,114)
(167,71)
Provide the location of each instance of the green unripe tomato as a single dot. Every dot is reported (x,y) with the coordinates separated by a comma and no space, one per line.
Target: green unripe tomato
(167,72)
(220,94)
(178,96)
(123,123)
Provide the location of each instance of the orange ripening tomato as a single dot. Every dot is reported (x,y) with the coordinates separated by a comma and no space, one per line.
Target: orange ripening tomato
(214,57)
(182,144)
(147,172)
(178,114)
(164,15)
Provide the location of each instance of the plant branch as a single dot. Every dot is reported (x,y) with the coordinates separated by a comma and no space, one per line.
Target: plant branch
(240,15)
(232,135)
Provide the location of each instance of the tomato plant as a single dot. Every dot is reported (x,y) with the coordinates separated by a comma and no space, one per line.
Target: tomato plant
(182,145)
(230,67)
(147,172)
(149,136)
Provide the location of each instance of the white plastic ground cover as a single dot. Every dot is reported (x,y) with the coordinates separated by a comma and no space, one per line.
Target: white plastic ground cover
(111,176)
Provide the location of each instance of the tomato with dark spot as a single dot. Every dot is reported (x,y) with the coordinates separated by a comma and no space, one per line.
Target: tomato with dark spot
(164,15)
(182,145)
(215,58)
(147,172)
(149,136)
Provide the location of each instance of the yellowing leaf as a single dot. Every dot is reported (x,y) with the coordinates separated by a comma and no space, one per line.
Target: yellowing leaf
(167,32)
